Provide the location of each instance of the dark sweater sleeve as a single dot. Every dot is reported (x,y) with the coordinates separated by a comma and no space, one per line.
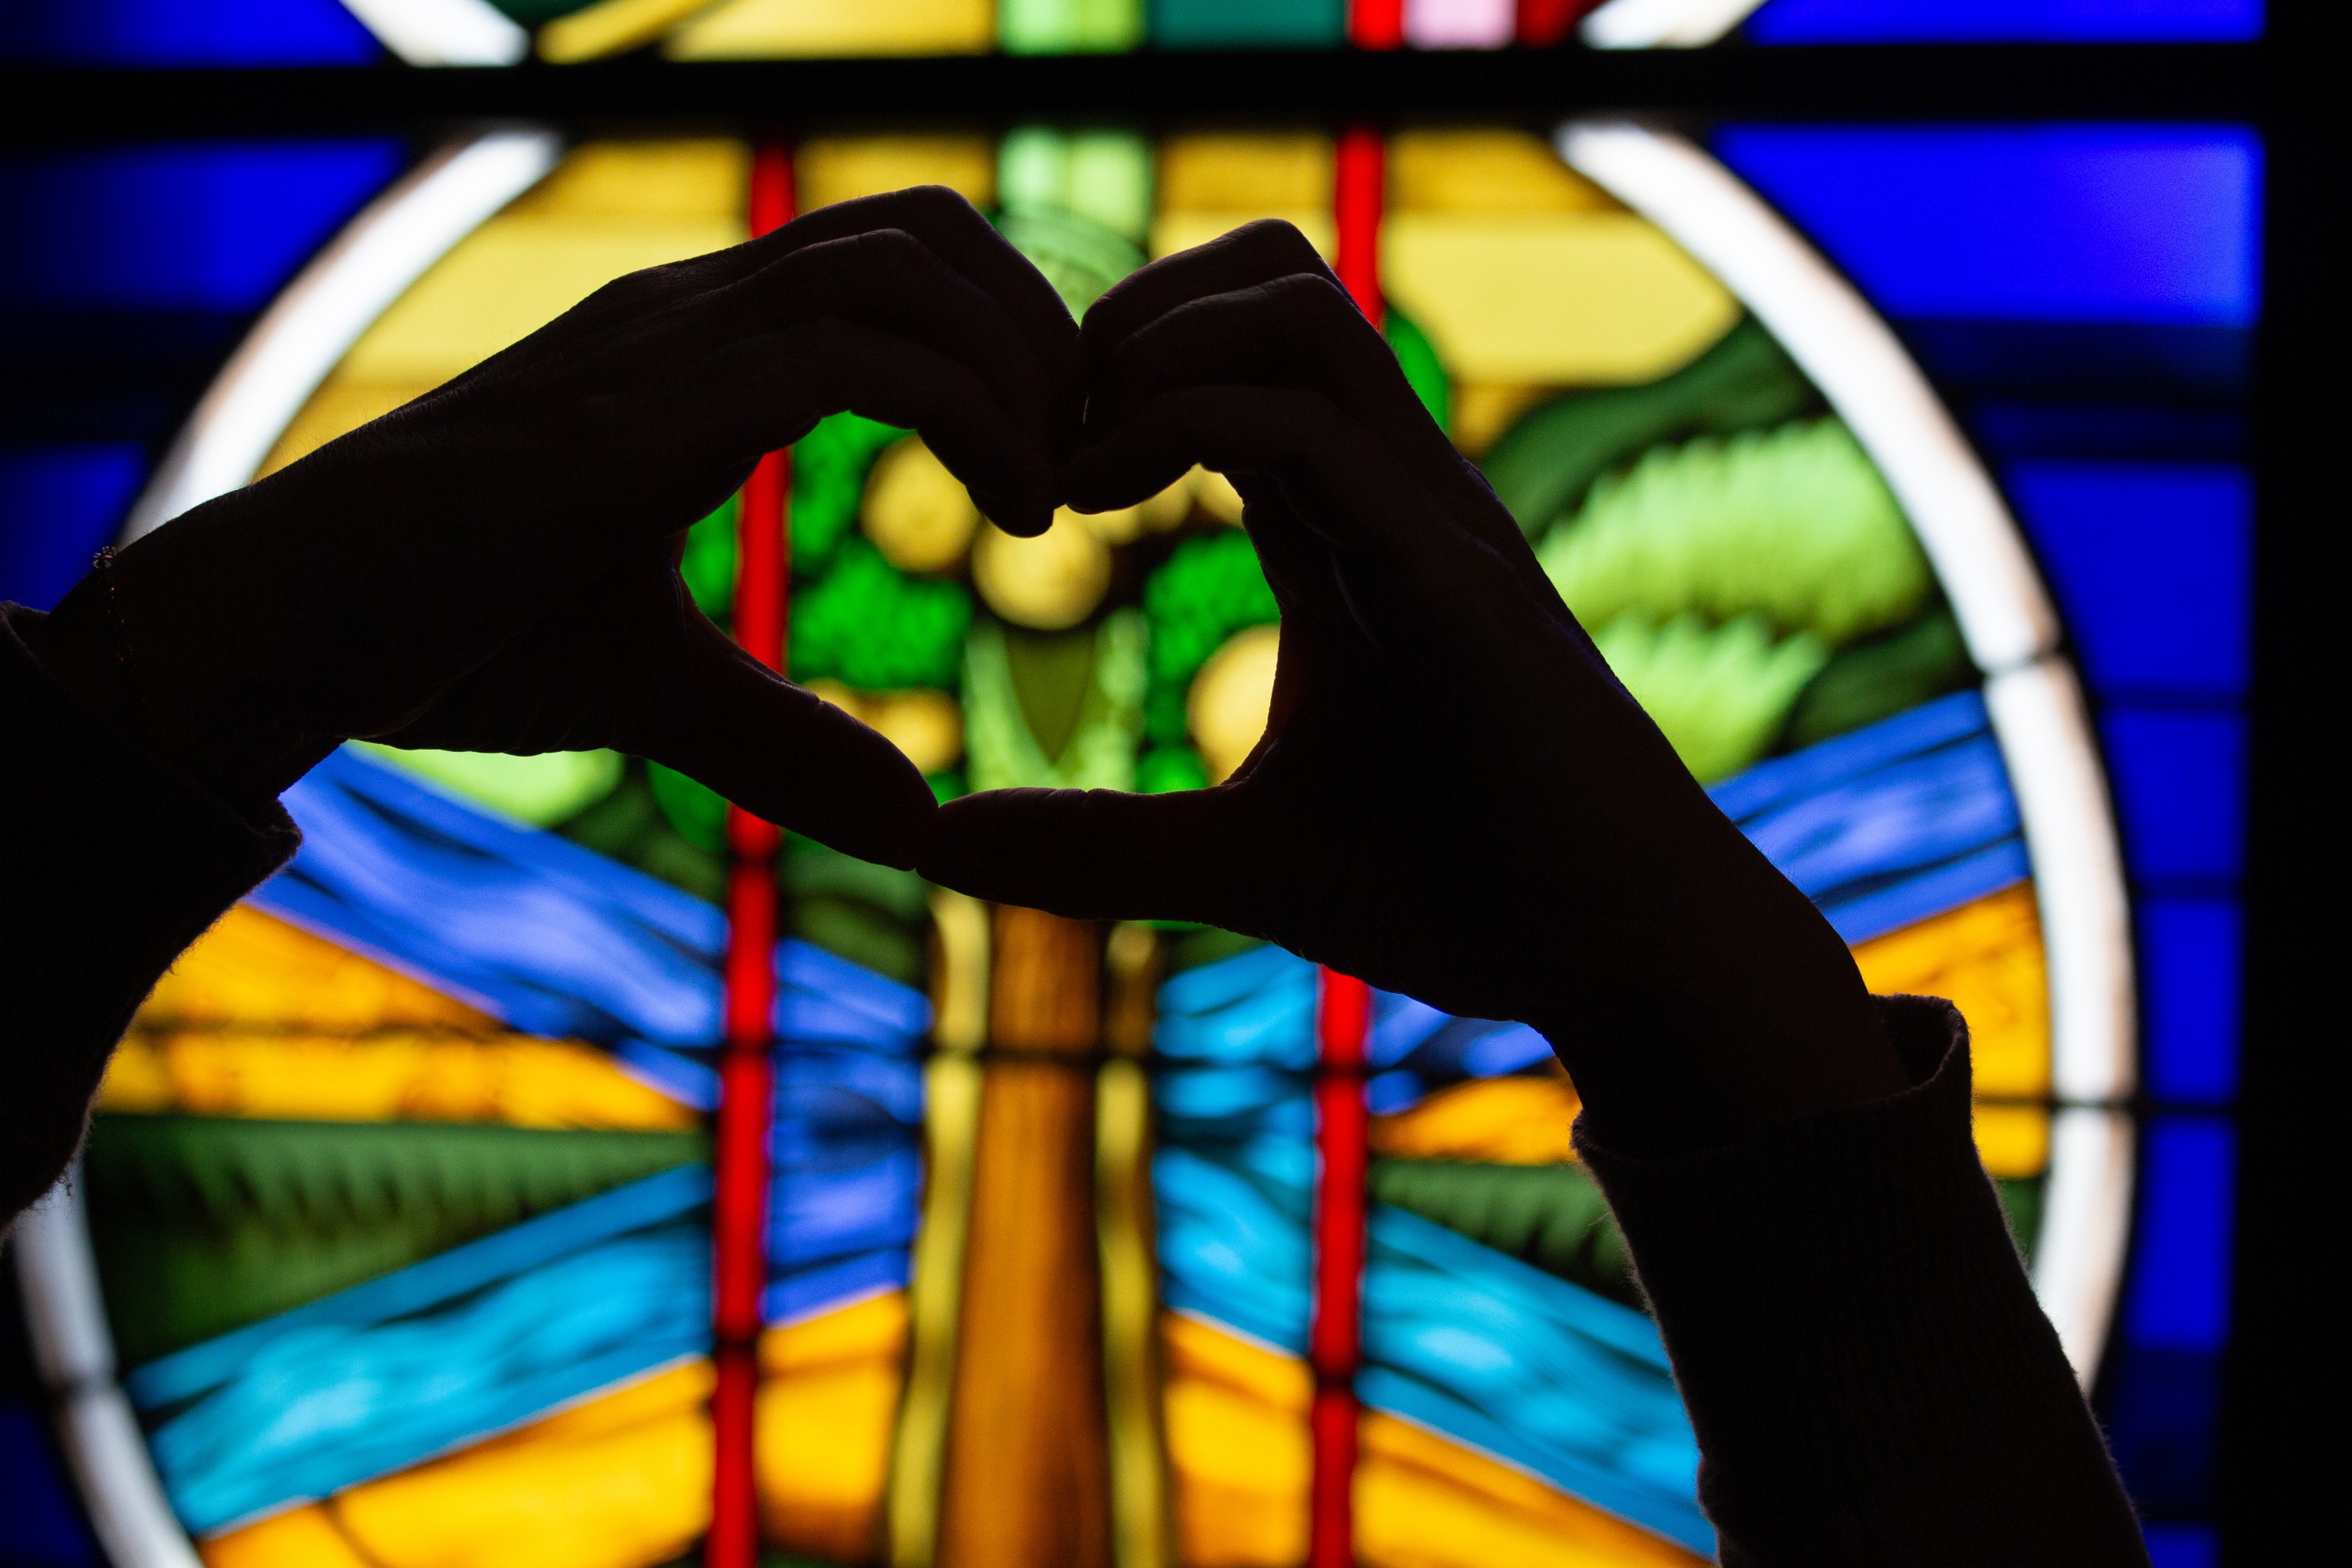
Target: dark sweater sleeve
(115,863)
(1869,1376)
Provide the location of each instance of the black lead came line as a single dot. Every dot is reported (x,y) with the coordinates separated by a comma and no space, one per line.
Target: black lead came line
(1157,90)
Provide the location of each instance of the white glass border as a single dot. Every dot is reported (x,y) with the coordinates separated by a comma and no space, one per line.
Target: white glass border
(317,319)
(444,32)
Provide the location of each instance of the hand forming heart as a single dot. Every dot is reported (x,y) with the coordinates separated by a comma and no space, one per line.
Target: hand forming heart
(490,567)
(1454,796)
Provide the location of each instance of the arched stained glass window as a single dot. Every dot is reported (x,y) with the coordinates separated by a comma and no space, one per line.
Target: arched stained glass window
(1148,1245)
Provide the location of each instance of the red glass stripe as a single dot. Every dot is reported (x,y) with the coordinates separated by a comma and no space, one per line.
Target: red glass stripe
(1376,24)
(1543,22)
(746,1073)
(1335,1342)
(1358,193)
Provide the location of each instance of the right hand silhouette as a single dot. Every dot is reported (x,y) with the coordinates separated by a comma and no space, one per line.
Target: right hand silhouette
(1453,797)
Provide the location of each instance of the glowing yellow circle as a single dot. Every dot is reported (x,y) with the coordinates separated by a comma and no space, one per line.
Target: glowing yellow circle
(1226,709)
(917,513)
(1047,583)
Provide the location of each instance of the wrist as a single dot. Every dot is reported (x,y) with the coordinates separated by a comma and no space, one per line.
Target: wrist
(1728,1037)
(127,672)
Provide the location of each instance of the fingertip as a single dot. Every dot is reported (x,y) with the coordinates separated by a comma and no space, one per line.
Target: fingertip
(964,844)
(1122,467)
(902,823)
(1021,519)
(877,806)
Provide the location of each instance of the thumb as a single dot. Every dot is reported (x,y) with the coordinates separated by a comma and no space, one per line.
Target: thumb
(786,756)
(1099,854)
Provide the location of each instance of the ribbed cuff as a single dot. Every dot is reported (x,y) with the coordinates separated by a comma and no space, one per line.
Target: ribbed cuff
(1866,1366)
(116,863)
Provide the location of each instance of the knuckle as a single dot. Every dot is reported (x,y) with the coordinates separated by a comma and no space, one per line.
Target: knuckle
(633,290)
(1275,237)
(942,200)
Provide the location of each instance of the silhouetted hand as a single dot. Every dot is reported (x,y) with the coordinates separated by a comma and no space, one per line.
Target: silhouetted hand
(1453,797)
(490,567)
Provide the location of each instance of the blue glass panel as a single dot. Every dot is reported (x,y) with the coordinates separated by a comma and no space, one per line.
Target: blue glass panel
(2136,360)
(2183,1546)
(1890,824)
(2180,783)
(416,1362)
(217,226)
(2189,953)
(2179,1294)
(185,33)
(2153,566)
(58,505)
(39,1525)
(2019,21)
(2162,1388)
(2011,429)
(2037,222)
(2162,1410)
(1247,24)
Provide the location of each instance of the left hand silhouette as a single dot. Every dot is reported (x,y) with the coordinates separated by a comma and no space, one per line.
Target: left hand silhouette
(490,567)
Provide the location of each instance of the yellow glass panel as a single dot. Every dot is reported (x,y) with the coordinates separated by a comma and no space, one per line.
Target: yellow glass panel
(771,29)
(1503,1122)
(826,1413)
(253,969)
(609,208)
(1483,410)
(1240,173)
(873,1329)
(830,169)
(1592,298)
(519,1079)
(612,26)
(1486,172)
(1210,185)
(304,1538)
(620,1488)
(512,276)
(823,1454)
(2012,1140)
(261,1018)
(1422,1502)
(1985,958)
(1239,1458)
(700,178)
(339,408)
(1175,231)
(622,1480)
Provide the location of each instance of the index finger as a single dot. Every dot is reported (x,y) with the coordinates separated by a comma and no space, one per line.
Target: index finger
(1252,254)
(954,231)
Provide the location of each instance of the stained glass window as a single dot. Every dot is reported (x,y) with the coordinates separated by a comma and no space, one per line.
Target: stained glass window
(1898,470)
